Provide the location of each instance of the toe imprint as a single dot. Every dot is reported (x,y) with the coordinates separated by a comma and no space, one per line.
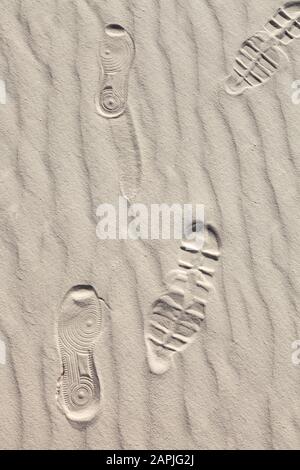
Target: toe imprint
(78,328)
(116,56)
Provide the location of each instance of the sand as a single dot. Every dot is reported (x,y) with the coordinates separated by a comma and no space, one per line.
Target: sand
(183,132)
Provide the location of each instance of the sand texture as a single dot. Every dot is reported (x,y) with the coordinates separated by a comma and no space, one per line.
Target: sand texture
(178,122)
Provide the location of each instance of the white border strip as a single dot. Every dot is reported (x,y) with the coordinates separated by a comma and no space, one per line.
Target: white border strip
(2,92)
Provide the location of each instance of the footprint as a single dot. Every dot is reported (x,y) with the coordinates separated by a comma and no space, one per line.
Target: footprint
(2,352)
(261,56)
(116,57)
(78,328)
(177,315)
(285,24)
(258,60)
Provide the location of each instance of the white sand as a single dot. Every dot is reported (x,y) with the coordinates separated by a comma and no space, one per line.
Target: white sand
(183,139)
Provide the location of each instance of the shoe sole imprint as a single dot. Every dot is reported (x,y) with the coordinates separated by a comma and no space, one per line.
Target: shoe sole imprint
(285,24)
(261,56)
(78,328)
(116,57)
(176,316)
(258,60)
